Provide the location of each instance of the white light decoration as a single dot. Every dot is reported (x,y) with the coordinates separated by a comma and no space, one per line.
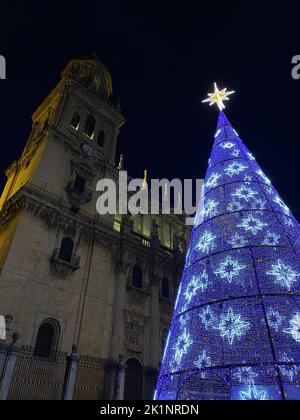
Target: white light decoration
(283,274)
(253,394)
(232,326)
(229,269)
(218,97)
(294,329)
(288,221)
(289,372)
(234,206)
(210,209)
(248,178)
(259,204)
(203,362)
(263,176)
(250,156)
(271,239)
(182,345)
(275,319)
(199,282)
(227,145)
(252,224)
(212,182)
(237,241)
(206,243)
(245,375)
(283,206)
(217,133)
(207,317)
(235,153)
(235,168)
(244,193)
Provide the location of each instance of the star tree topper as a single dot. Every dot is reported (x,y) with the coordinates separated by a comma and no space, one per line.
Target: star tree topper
(218,97)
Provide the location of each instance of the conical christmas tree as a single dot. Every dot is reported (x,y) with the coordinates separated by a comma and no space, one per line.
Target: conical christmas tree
(235,332)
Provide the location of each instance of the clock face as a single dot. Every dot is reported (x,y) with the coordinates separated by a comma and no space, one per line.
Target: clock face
(88,150)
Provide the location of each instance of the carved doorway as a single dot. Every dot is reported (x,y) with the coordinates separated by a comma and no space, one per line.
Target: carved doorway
(133,380)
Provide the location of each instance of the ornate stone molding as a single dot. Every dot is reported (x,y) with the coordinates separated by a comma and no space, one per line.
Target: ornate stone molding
(61,268)
(134,326)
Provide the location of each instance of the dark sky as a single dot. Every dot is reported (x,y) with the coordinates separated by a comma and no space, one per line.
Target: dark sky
(164,57)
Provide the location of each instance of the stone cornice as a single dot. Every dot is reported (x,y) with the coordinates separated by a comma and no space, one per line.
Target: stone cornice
(57,212)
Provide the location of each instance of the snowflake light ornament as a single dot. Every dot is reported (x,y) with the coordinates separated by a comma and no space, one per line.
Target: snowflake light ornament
(232,326)
(227,145)
(207,317)
(248,178)
(235,153)
(197,283)
(252,224)
(283,274)
(263,176)
(253,394)
(210,209)
(288,371)
(206,243)
(275,320)
(237,241)
(234,206)
(258,204)
(182,345)
(294,329)
(271,239)
(245,375)
(229,268)
(203,362)
(244,193)
(235,168)
(283,206)
(212,182)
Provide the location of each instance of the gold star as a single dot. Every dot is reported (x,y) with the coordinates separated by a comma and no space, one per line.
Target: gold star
(218,97)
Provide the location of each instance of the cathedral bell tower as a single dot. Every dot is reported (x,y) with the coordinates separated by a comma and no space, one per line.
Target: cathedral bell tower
(56,254)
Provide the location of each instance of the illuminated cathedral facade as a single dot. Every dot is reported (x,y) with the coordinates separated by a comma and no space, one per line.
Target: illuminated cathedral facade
(69,276)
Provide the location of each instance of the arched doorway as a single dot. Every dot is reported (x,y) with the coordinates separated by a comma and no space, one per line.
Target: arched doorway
(47,338)
(133,380)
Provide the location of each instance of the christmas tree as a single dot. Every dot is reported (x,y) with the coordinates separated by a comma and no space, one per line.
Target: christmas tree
(235,332)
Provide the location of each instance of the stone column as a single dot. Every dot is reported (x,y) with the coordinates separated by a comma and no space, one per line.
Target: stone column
(118,315)
(9,358)
(70,375)
(120,379)
(154,325)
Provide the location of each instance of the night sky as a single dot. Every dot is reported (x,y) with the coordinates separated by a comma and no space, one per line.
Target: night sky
(164,57)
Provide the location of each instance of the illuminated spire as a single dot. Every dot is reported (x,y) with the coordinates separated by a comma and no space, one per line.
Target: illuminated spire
(218,97)
(121,163)
(145,180)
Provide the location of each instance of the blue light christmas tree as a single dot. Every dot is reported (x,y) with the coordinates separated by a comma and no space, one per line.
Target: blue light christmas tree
(235,332)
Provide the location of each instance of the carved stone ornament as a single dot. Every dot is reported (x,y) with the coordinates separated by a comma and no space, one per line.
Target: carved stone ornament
(134,331)
(62,269)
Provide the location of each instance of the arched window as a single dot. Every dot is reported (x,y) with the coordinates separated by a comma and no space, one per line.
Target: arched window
(137,277)
(75,121)
(79,184)
(101,138)
(133,380)
(165,288)
(89,128)
(47,338)
(66,249)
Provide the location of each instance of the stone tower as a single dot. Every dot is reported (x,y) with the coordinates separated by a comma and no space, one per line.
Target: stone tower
(68,275)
